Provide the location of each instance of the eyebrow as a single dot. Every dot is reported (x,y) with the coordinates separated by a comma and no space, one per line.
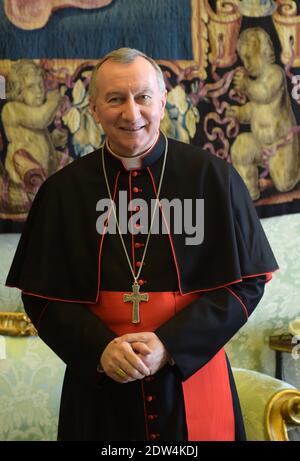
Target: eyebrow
(113,93)
(120,93)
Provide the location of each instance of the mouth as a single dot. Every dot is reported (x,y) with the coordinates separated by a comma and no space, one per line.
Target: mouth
(132,129)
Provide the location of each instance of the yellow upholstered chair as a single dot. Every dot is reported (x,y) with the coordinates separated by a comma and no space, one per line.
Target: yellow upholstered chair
(270,407)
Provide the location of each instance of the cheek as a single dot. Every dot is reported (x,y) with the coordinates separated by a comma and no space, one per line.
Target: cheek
(97,117)
(28,98)
(155,114)
(107,117)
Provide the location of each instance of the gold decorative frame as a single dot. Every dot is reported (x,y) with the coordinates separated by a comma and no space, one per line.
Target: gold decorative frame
(281,343)
(214,31)
(209,29)
(287,25)
(282,410)
(16,324)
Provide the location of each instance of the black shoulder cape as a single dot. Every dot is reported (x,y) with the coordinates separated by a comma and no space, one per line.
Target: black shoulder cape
(58,253)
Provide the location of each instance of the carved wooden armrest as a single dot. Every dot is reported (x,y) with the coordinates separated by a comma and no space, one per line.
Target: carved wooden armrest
(16,324)
(282,410)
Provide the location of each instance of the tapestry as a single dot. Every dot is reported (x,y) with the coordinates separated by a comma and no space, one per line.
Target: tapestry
(232,71)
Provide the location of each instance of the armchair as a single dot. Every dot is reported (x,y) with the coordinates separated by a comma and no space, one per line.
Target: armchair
(270,407)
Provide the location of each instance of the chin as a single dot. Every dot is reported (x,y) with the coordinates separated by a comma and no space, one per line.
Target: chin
(37,104)
(133,145)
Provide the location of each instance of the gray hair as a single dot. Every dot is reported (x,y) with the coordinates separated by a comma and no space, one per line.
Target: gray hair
(125,56)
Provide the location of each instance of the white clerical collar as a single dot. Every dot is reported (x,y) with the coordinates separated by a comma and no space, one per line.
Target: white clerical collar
(131,163)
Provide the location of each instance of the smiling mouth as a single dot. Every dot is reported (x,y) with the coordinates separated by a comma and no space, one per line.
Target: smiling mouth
(132,130)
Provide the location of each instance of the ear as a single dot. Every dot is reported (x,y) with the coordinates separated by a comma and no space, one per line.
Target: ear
(93,109)
(163,103)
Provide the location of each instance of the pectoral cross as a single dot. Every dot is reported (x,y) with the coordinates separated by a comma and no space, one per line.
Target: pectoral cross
(135,298)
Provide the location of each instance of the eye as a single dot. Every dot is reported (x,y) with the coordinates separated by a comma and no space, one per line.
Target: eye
(115,100)
(145,98)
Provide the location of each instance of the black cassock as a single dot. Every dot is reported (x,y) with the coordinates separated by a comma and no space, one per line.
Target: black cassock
(62,262)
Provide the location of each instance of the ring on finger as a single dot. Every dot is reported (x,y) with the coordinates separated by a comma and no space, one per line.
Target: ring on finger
(121,373)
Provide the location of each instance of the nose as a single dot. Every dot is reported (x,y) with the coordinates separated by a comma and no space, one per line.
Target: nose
(131,110)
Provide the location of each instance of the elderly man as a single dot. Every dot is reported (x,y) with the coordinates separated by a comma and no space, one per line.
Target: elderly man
(138,309)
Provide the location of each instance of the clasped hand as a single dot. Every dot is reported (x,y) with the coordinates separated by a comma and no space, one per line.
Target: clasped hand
(133,356)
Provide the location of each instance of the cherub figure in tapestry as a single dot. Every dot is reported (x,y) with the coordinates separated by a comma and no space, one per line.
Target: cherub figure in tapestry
(272,141)
(31,153)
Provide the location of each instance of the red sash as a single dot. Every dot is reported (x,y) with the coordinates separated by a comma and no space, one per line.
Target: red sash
(207,394)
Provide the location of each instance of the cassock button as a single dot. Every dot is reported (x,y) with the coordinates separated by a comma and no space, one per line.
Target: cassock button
(149,398)
(152,417)
(142,282)
(138,264)
(138,245)
(135,190)
(134,173)
(154,436)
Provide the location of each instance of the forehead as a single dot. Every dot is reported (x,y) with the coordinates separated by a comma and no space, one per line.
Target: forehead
(249,41)
(32,75)
(117,76)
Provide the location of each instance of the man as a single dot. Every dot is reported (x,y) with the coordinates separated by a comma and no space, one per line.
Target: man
(153,369)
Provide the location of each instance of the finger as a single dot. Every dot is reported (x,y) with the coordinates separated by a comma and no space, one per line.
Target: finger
(113,375)
(122,355)
(136,337)
(126,359)
(119,372)
(135,367)
(132,373)
(141,348)
(239,72)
